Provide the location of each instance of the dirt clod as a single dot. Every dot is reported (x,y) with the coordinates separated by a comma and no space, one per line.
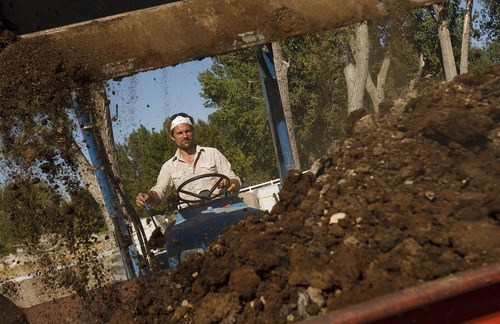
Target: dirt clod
(157,239)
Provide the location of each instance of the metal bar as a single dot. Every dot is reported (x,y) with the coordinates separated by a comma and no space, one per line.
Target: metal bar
(277,123)
(32,16)
(190,30)
(127,248)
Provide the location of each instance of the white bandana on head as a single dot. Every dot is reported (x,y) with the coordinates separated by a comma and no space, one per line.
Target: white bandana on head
(180,120)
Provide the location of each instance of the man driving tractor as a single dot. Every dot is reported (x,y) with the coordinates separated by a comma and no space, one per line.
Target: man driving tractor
(190,160)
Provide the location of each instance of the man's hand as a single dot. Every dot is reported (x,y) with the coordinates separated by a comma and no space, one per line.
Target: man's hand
(223,183)
(141,198)
(233,187)
(151,198)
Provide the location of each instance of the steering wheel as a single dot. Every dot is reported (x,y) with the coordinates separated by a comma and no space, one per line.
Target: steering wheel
(204,195)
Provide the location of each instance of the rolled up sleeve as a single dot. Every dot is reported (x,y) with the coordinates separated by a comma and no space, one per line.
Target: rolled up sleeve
(164,183)
(224,166)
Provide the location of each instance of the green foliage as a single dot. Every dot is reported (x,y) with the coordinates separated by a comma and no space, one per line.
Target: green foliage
(317,98)
(317,91)
(7,240)
(490,19)
(34,208)
(480,58)
(240,127)
(85,214)
(423,26)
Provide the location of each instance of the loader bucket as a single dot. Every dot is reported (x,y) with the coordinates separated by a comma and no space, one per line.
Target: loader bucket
(472,296)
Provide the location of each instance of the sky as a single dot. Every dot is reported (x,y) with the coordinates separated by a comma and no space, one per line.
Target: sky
(148,98)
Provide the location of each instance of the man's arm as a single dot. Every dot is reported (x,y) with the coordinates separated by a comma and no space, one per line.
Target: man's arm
(224,167)
(160,191)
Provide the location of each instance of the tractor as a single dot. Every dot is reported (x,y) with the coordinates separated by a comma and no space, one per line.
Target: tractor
(199,221)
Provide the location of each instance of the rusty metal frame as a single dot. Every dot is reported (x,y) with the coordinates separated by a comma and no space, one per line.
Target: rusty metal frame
(163,36)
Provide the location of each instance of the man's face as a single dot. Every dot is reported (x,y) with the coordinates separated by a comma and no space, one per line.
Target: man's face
(183,136)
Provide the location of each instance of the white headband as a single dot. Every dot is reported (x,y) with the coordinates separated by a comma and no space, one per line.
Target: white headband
(180,120)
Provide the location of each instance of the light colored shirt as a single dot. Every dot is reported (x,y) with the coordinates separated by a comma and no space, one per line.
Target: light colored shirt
(175,171)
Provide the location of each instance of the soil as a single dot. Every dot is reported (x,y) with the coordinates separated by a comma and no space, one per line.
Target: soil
(407,197)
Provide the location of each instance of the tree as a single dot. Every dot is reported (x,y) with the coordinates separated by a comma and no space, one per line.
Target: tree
(464,53)
(240,126)
(356,59)
(450,69)
(36,208)
(281,67)
(423,27)
(490,19)
(380,44)
(437,29)
(318,95)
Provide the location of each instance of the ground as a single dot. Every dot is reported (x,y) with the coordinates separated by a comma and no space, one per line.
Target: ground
(407,197)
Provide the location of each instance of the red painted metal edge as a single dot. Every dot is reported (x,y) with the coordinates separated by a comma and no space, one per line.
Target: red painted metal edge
(469,295)
(488,319)
(472,296)
(94,308)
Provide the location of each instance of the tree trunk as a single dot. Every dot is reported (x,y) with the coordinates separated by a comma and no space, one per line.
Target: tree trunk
(355,61)
(450,69)
(464,53)
(281,67)
(418,75)
(377,93)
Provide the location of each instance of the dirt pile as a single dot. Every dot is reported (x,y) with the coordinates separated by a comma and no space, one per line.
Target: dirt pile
(410,197)
(406,198)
